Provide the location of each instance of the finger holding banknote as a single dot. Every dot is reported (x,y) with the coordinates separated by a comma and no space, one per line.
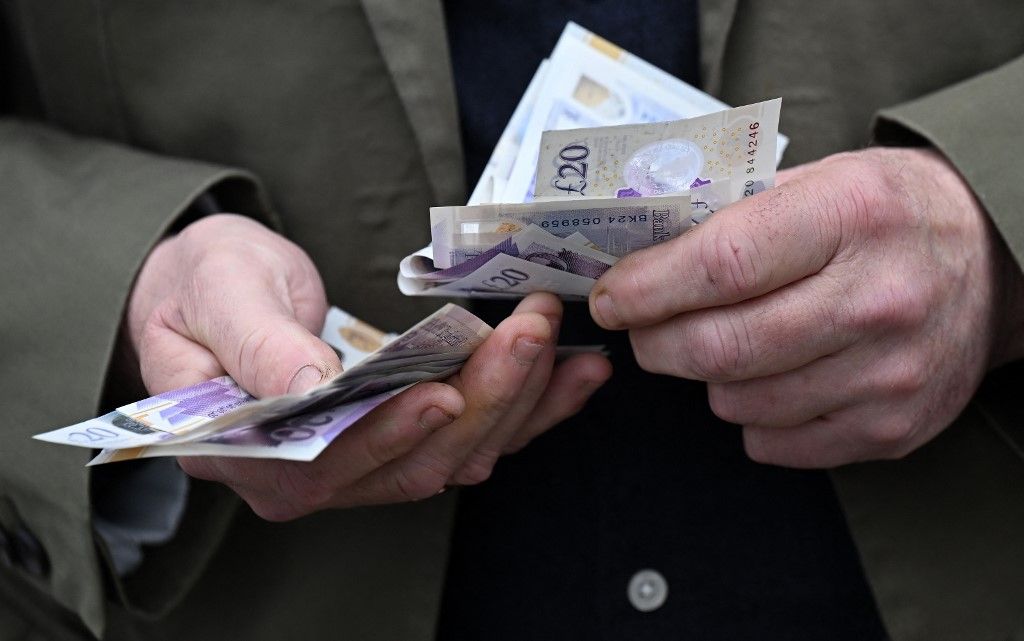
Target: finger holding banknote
(229,295)
(510,396)
(426,438)
(548,395)
(848,314)
(283,490)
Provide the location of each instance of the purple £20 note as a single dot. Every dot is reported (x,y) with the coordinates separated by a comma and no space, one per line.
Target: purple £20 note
(180,411)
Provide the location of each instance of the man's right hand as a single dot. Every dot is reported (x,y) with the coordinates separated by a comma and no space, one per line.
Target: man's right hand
(226,295)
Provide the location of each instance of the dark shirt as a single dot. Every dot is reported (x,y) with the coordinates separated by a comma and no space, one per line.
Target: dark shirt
(646,476)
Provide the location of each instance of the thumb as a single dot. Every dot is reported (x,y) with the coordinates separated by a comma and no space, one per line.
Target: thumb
(267,356)
(259,342)
(275,354)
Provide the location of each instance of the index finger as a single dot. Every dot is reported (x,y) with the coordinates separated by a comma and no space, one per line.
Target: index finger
(745,250)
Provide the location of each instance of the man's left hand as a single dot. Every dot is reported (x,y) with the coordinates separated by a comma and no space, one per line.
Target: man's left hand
(848,314)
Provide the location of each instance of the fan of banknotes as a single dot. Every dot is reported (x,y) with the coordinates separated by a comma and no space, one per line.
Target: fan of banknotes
(604,155)
(219,418)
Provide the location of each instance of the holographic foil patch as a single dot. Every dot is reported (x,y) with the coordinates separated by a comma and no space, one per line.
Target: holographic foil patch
(664,167)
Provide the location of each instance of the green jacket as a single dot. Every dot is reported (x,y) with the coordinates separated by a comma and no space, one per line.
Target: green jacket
(335,122)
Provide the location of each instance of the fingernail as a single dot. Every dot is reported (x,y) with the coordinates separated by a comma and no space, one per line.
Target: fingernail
(606,310)
(434,418)
(305,379)
(527,349)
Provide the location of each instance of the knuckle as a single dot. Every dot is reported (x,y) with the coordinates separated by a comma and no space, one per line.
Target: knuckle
(725,404)
(416,486)
(758,448)
(893,304)
(733,262)
(659,350)
(906,378)
(220,258)
(864,184)
(889,437)
(425,478)
(382,447)
(868,190)
(641,293)
(495,393)
(477,468)
(827,304)
(251,351)
(720,348)
(648,365)
(302,488)
(649,360)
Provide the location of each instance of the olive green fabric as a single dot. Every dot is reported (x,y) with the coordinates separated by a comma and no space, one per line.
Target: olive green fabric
(345,111)
(939,532)
(314,110)
(971,123)
(935,531)
(78,219)
(836,63)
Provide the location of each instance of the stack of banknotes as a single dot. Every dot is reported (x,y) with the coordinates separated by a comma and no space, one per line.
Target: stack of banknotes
(605,154)
(218,418)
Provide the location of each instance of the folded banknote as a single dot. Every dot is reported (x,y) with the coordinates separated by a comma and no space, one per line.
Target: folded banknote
(527,261)
(606,192)
(613,226)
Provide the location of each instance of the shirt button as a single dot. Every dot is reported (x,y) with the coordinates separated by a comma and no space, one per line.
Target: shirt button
(647,590)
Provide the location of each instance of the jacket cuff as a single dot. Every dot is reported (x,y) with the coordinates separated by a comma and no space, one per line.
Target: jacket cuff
(976,125)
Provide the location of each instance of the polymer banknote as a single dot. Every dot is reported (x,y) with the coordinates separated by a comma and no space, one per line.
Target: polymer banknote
(735,147)
(613,226)
(526,261)
(352,339)
(590,82)
(218,416)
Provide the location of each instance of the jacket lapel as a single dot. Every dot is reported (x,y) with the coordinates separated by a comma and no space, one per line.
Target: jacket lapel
(404,31)
(411,37)
(716,18)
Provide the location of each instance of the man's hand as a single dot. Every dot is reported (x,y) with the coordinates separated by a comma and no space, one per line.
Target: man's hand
(226,295)
(848,314)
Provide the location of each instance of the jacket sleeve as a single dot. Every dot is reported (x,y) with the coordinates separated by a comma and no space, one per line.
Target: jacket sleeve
(951,514)
(977,125)
(77,218)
